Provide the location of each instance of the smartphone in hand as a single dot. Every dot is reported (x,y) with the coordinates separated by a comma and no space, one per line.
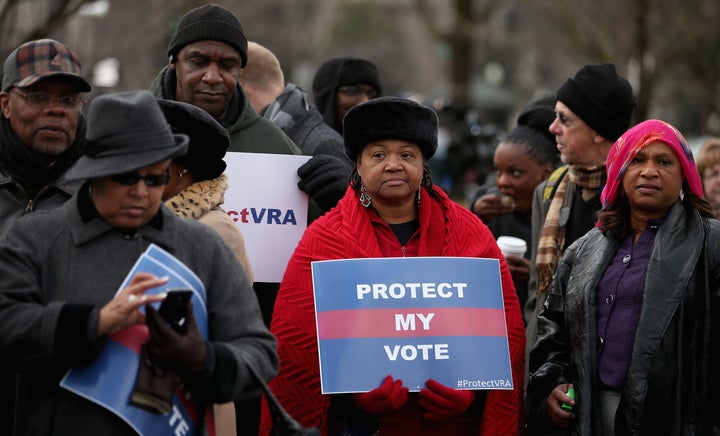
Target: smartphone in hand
(174,307)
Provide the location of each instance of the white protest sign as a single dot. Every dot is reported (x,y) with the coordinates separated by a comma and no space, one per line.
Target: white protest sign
(271,211)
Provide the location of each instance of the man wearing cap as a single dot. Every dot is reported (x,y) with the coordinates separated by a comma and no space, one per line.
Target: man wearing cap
(42,134)
(343,83)
(593,109)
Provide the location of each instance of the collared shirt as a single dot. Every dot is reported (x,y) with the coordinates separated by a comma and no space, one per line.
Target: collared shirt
(619,301)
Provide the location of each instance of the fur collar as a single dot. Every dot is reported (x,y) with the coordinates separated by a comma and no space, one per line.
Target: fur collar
(199,198)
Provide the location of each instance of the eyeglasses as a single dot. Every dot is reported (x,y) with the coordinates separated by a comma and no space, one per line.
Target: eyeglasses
(150,180)
(41,100)
(356,91)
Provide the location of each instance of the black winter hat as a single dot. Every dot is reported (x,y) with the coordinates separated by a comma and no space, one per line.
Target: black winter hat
(337,72)
(209,22)
(601,98)
(538,115)
(208,139)
(390,118)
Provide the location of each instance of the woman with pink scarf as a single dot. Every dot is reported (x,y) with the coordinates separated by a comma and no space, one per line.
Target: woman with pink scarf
(627,340)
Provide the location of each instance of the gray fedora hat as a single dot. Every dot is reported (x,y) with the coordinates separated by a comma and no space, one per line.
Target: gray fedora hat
(126,131)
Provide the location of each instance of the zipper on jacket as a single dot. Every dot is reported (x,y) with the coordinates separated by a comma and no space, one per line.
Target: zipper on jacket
(30,206)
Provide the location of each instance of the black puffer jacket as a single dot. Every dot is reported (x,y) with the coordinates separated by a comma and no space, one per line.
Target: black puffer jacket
(673,377)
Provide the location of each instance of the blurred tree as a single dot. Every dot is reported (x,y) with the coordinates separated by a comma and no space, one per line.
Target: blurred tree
(25,20)
(653,42)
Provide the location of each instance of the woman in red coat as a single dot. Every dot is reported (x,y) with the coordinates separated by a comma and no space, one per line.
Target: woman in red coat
(391,209)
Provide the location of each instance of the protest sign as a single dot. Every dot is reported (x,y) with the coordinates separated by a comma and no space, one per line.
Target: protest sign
(271,211)
(110,379)
(414,318)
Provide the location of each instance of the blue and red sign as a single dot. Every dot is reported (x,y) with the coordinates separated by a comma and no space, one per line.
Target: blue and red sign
(110,379)
(414,318)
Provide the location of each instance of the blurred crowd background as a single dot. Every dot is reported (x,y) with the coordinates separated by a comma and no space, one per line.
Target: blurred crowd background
(477,62)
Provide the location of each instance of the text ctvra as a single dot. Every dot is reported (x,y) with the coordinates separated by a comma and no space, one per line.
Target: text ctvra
(263,215)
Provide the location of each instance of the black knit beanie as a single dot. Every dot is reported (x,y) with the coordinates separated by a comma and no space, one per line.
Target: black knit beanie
(390,118)
(601,98)
(209,22)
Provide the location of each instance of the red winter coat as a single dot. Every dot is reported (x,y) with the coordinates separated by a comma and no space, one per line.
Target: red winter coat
(352,231)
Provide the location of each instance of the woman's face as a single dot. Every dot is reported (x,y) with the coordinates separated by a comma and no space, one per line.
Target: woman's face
(518,173)
(129,206)
(711,183)
(652,180)
(391,171)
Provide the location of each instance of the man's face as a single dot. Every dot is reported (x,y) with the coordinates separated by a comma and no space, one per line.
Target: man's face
(47,129)
(207,73)
(576,141)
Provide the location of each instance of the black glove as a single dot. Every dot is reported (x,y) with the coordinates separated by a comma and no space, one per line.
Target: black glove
(325,178)
(184,353)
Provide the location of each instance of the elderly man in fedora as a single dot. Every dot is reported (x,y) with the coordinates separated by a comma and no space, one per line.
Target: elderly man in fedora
(61,276)
(42,133)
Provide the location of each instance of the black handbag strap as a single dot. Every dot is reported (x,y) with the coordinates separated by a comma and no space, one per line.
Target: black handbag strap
(283,423)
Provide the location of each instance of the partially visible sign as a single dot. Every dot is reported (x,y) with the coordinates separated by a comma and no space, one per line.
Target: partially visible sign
(271,211)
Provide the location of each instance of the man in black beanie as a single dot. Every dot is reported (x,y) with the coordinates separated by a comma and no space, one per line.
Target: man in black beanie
(593,110)
(207,55)
(343,83)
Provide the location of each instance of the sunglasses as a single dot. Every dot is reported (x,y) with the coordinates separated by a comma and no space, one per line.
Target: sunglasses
(150,180)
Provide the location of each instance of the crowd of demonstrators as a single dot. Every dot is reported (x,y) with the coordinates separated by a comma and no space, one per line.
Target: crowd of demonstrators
(708,164)
(341,84)
(148,167)
(195,190)
(43,134)
(523,159)
(287,107)
(593,109)
(389,139)
(51,325)
(629,319)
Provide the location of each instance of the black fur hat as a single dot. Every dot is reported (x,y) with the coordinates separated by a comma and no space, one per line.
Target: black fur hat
(390,118)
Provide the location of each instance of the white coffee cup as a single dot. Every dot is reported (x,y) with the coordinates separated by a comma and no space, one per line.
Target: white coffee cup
(512,246)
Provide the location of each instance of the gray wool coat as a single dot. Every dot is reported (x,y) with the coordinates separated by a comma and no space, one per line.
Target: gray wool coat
(56,271)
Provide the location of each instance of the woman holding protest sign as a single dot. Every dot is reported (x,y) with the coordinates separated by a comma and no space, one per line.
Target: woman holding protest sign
(63,304)
(391,209)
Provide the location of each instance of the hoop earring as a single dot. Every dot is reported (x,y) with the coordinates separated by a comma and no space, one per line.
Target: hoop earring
(682,195)
(365,198)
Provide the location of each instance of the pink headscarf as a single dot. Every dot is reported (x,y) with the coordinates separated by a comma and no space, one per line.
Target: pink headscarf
(637,138)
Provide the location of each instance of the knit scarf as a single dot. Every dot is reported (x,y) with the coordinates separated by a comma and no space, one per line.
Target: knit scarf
(199,198)
(552,239)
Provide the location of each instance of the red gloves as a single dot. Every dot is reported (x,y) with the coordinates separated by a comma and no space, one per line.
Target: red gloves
(389,396)
(441,402)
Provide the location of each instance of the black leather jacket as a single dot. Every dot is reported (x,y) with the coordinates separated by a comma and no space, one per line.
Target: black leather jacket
(672,379)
